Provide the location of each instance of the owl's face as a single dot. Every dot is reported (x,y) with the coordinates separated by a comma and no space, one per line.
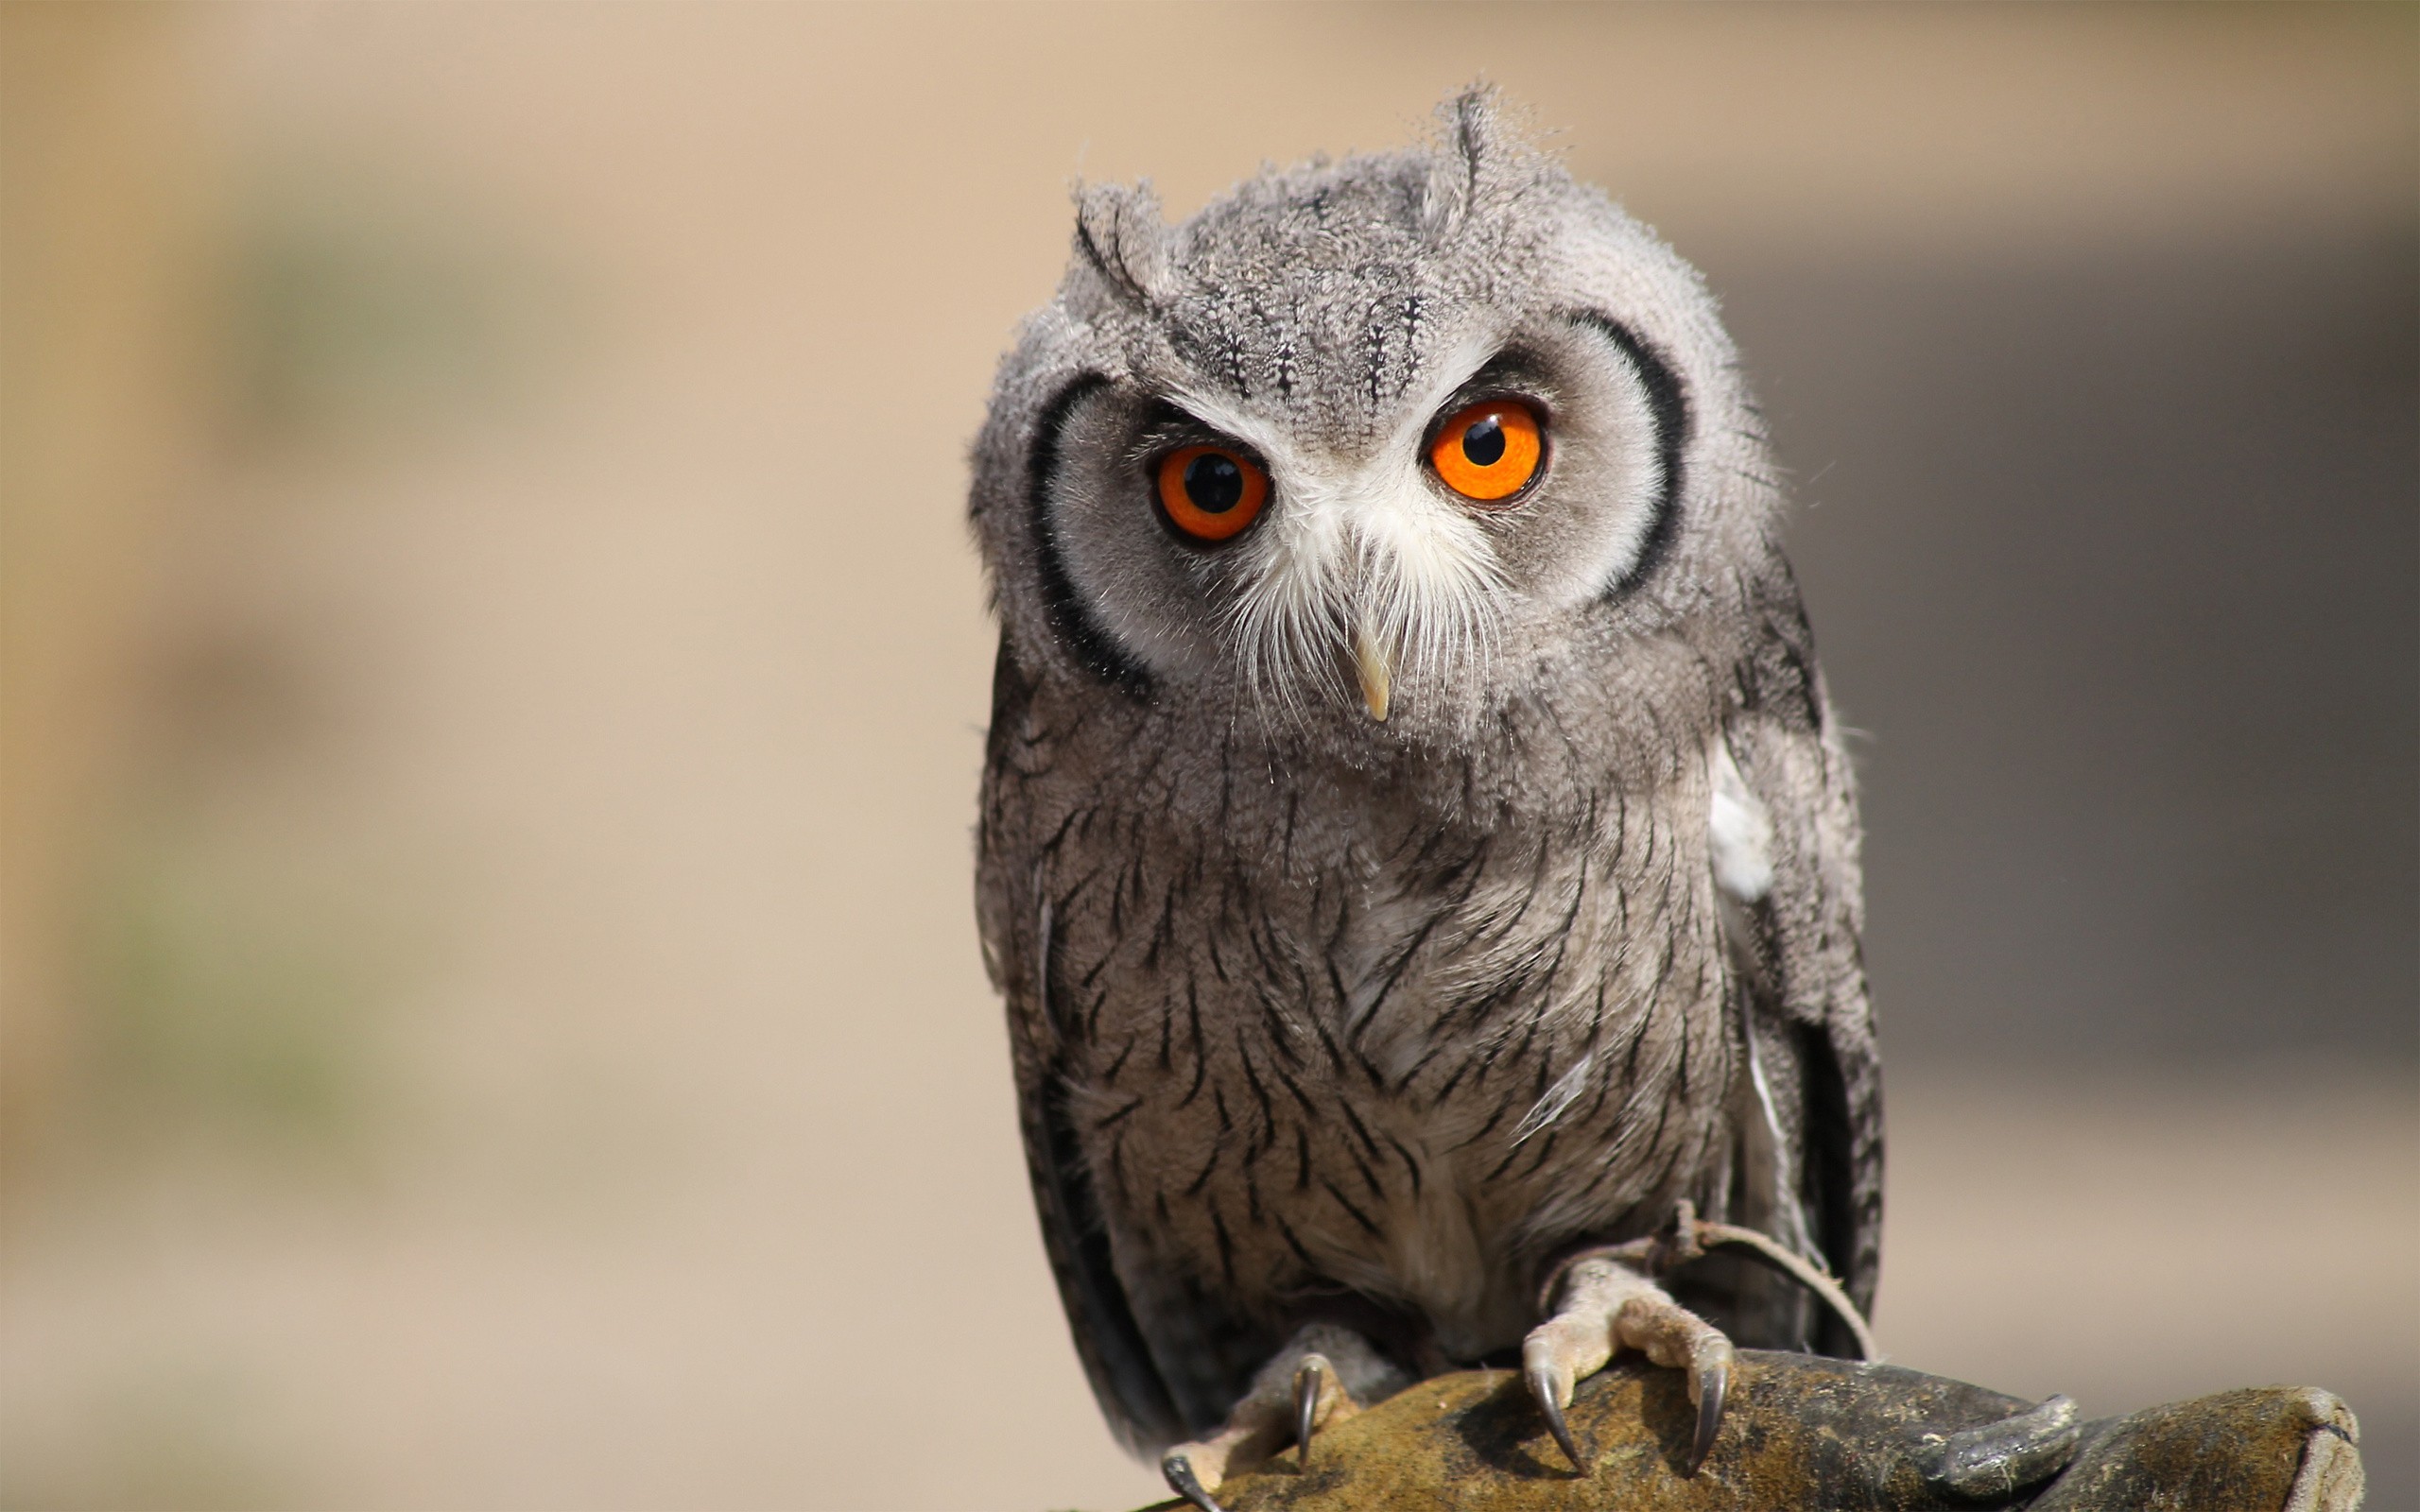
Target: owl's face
(1367,445)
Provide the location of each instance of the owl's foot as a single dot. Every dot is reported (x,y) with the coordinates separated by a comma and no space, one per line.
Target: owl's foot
(1602,1306)
(1319,1399)
(1319,1379)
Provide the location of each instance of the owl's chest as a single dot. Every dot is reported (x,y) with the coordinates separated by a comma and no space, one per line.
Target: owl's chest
(1408,1066)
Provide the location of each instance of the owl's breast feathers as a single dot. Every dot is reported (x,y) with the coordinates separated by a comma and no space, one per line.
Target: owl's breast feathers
(1294,1037)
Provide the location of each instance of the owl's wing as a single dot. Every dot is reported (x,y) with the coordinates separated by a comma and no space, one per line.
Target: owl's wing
(1016,929)
(1786,833)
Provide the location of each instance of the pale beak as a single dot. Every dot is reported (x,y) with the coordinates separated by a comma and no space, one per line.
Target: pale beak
(1369,659)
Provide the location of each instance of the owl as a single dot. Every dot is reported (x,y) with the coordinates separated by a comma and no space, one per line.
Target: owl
(1416,852)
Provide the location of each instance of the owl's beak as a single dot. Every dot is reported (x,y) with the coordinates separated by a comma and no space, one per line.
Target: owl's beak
(1369,658)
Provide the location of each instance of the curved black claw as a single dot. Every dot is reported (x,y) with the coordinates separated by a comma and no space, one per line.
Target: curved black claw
(1542,1387)
(1181,1479)
(1307,1409)
(1712,1385)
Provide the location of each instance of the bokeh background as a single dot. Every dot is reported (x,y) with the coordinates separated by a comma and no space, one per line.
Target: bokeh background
(494,676)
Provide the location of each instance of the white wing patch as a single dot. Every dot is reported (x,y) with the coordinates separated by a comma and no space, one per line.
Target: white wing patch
(1742,835)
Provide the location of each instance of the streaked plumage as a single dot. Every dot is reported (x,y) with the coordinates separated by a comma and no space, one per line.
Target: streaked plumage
(1319,1016)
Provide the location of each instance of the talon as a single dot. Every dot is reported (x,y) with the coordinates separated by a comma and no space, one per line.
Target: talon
(1177,1470)
(1712,1385)
(1307,1406)
(1543,1388)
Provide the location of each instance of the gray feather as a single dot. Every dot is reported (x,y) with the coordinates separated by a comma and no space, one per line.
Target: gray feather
(1317,1018)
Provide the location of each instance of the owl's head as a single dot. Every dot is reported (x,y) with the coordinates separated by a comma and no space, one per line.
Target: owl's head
(1377,444)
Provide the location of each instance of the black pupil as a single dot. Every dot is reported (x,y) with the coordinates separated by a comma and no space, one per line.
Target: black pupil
(1213,483)
(1483,443)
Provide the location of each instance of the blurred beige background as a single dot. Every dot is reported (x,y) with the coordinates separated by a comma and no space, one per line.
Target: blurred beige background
(495,676)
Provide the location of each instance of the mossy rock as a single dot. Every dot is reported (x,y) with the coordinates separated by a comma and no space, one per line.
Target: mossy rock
(1806,1432)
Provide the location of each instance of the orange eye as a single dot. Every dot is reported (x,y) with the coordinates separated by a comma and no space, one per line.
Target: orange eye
(1489,451)
(1211,494)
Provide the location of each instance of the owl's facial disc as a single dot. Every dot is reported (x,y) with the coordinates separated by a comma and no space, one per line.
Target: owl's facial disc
(1410,567)
(1363,574)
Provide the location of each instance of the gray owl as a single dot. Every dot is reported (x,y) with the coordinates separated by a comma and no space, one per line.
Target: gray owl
(1416,852)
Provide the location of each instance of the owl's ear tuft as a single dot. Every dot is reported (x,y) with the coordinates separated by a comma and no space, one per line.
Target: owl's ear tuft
(1481,154)
(1122,236)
